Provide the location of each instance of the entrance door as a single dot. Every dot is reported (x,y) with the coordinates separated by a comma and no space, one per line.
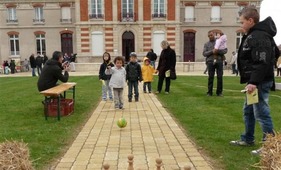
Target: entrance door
(189,47)
(66,43)
(128,44)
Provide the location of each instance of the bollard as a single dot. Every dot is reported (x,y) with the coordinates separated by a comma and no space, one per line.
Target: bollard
(106,166)
(130,161)
(158,163)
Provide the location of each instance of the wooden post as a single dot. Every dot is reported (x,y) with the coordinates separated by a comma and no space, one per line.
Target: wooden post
(130,161)
(106,166)
(158,163)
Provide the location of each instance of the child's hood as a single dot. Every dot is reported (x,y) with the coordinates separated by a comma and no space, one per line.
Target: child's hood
(223,37)
(144,59)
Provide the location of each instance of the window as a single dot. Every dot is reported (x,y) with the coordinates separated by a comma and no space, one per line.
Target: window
(127,10)
(189,14)
(239,36)
(40,44)
(158,37)
(65,14)
(216,14)
(38,15)
(12,15)
(97,43)
(14,44)
(239,9)
(159,9)
(96,10)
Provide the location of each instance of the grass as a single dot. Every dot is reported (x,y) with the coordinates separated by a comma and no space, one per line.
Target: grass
(210,121)
(22,117)
(214,121)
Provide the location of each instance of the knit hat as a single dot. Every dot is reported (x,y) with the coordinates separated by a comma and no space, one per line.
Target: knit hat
(133,54)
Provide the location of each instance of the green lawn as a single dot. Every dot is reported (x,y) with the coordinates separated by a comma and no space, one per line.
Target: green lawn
(22,116)
(210,121)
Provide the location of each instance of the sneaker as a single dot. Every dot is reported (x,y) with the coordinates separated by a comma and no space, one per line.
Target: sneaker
(166,92)
(208,94)
(130,100)
(157,92)
(144,91)
(149,92)
(136,99)
(241,143)
(256,152)
(120,106)
(103,99)
(220,95)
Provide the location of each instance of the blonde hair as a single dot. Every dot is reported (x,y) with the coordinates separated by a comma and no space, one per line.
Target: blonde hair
(164,44)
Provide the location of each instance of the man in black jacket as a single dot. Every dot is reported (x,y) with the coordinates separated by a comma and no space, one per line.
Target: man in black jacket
(256,58)
(52,72)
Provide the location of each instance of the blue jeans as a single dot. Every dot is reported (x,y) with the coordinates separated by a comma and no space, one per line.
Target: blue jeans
(33,72)
(260,112)
(106,89)
(133,85)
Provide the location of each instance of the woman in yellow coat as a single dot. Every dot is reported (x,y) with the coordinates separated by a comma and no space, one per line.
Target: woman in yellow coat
(147,74)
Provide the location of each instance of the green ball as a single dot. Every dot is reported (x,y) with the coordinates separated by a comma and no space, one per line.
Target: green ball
(121,122)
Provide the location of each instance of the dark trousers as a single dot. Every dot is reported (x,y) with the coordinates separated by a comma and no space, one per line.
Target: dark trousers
(133,85)
(218,69)
(160,83)
(148,84)
(234,71)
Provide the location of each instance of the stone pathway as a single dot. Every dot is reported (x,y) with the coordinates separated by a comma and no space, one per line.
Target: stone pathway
(151,133)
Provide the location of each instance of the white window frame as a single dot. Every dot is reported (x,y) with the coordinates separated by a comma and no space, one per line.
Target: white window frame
(127,10)
(12,14)
(39,16)
(14,42)
(159,8)
(239,36)
(96,8)
(42,43)
(97,38)
(216,14)
(65,14)
(189,14)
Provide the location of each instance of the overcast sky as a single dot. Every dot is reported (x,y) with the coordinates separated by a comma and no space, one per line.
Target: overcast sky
(272,8)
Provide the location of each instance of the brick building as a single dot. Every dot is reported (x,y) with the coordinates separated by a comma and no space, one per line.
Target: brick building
(91,27)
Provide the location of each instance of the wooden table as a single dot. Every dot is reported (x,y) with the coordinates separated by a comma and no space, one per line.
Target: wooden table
(56,92)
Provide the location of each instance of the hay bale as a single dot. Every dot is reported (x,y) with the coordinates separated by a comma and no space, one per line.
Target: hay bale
(270,157)
(14,156)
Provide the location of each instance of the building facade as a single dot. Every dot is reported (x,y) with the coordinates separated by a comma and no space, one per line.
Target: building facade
(40,26)
(91,27)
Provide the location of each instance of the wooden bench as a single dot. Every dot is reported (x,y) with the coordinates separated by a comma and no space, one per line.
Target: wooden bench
(56,93)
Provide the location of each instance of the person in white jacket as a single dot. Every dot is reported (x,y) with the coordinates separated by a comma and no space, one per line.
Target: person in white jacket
(117,81)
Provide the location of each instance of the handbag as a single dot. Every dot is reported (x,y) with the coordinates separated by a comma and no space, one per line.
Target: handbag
(173,75)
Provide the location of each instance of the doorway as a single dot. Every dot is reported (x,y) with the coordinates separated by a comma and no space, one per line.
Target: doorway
(66,43)
(189,47)
(128,44)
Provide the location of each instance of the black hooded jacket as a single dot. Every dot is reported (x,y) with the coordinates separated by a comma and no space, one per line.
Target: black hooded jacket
(51,73)
(103,66)
(257,52)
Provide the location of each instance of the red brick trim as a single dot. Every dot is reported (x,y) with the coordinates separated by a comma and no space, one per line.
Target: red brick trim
(39,32)
(13,33)
(37,5)
(85,51)
(242,3)
(84,29)
(216,3)
(11,5)
(171,28)
(66,32)
(65,4)
(190,4)
(146,28)
(171,34)
(189,30)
